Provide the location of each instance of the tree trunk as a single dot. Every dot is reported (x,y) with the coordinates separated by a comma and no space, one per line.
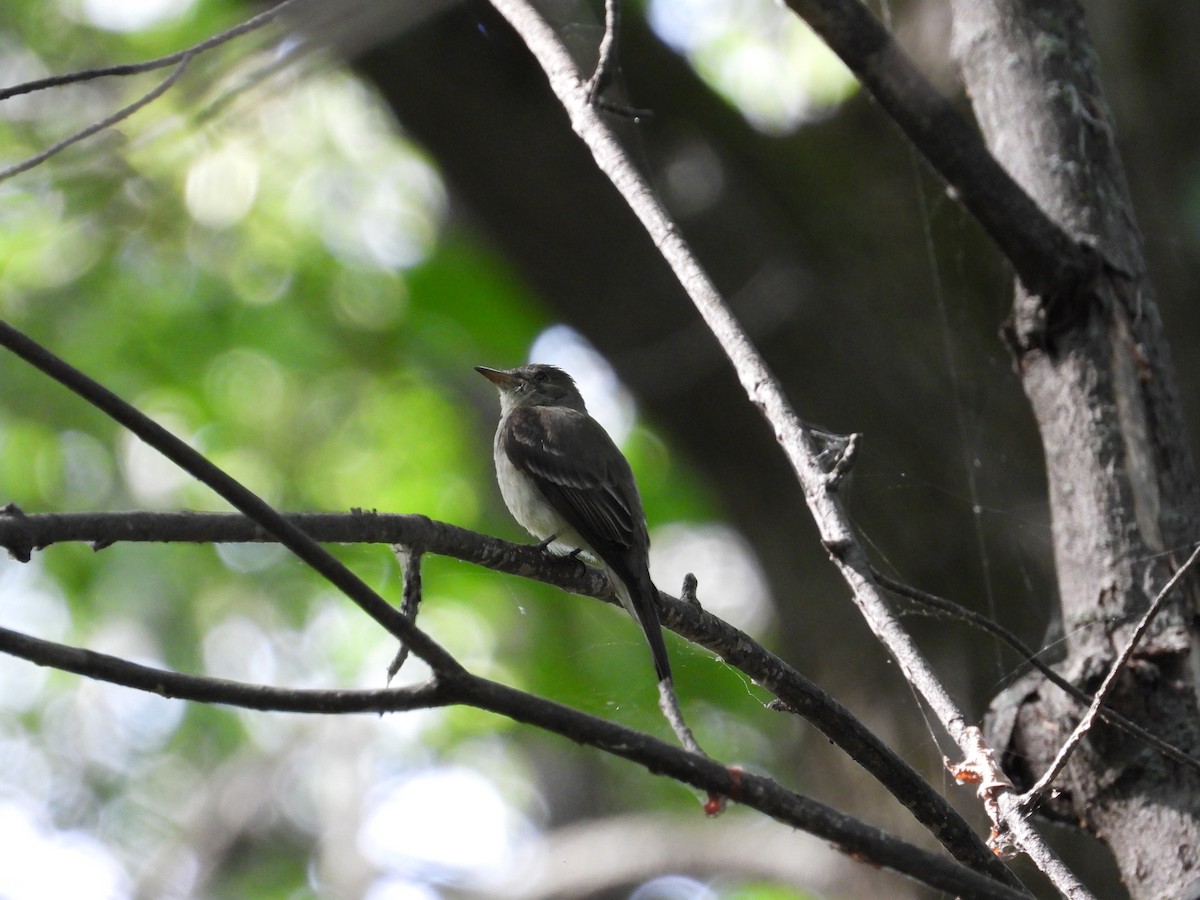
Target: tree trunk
(1122,483)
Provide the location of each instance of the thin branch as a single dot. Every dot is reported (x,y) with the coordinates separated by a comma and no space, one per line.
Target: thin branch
(21,533)
(1034,794)
(179,60)
(410,602)
(1048,261)
(123,113)
(206,689)
(231,490)
(460,687)
(1029,655)
(606,61)
(161,62)
(763,389)
(800,696)
(668,702)
(759,793)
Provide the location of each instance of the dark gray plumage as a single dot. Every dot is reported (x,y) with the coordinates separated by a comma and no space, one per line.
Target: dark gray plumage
(565,481)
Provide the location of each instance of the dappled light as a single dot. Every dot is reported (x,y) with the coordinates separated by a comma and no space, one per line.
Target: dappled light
(45,862)
(446,825)
(768,65)
(290,246)
(126,15)
(732,583)
(609,402)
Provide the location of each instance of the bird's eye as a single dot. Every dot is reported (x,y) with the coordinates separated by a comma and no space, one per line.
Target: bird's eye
(540,376)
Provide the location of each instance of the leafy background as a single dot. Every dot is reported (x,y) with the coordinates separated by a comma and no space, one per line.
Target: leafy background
(271,270)
(273,267)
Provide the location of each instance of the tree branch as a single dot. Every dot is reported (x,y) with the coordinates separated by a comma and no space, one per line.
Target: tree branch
(1034,794)
(951,610)
(21,533)
(162,62)
(179,60)
(460,687)
(231,490)
(798,442)
(120,115)
(1048,261)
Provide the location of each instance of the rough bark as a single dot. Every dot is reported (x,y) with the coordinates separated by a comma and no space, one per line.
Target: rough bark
(1101,384)
(1122,482)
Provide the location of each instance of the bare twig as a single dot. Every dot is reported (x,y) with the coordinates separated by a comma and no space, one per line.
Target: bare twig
(1030,798)
(1046,259)
(179,60)
(410,603)
(606,61)
(763,389)
(1029,655)
(121,114)
(161,62)
(21,533)
(668,702)
(460,687)
(233,491)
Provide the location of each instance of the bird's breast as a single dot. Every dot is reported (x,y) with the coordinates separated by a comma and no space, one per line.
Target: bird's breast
(528,505)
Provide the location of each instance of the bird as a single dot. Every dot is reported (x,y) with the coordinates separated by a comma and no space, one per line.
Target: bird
(566,482)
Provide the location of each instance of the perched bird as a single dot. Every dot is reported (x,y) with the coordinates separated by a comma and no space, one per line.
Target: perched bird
(568,485)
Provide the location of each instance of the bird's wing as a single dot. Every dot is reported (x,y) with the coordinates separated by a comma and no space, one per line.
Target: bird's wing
(583,475)
(580,472)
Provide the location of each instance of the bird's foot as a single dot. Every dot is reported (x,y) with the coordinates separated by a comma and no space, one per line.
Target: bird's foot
(574,557)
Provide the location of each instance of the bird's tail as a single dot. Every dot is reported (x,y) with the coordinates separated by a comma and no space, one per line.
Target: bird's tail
(640,597)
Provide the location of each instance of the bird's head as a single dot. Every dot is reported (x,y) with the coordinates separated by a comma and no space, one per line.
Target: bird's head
(535,385)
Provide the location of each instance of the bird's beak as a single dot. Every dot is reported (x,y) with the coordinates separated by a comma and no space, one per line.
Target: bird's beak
(498,377)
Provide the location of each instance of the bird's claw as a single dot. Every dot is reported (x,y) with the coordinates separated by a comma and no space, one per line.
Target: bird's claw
(574,555)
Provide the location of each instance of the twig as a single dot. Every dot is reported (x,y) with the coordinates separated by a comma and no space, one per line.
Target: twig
(21,533)
(1030,798)
(233,491)
(1048,261)
(847,452)
(606,61)
(460,687)
(668,702)
(410,603)
(161,62)
(179,60)
(1029,655)
(121,114)
(765,392)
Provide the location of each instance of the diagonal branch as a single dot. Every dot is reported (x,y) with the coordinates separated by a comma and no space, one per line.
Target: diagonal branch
(800,445)
(20,533)
(120,115)
(952,610)
(150,65)
(460,687)
(1034,794)
(1046,259)
(240,497)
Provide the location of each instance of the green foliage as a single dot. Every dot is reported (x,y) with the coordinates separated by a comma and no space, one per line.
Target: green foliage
(277,282)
